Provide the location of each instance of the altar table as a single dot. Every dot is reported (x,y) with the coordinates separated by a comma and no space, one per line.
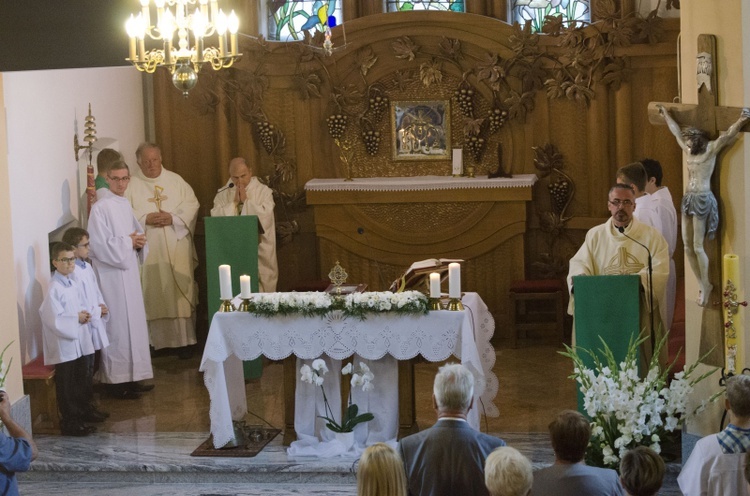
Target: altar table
(237,336)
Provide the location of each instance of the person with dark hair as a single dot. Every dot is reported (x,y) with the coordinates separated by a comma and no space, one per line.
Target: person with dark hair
(668,215)
(641,471)
(104,159)
(700,210)
(66,337)
(166,206)
(570,476)
(717,464)
(614,248)
(448,458)
(118,248)
(634,175)
(93,301)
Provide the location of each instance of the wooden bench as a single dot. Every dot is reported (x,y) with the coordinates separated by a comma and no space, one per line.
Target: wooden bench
(39,384)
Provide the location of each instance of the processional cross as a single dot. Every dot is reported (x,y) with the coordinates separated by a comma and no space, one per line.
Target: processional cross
(710,117)
(158,197)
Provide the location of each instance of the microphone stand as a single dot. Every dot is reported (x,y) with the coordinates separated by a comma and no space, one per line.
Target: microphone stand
(650,286)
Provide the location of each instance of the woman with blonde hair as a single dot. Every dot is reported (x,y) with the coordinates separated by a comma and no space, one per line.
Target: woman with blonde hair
(381,472)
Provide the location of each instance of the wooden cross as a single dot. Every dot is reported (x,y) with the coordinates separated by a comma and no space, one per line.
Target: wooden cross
(158,197)
(710,117)
(707,115)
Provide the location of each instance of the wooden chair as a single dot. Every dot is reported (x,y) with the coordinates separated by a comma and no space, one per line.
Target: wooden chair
(550,318)
(39,384)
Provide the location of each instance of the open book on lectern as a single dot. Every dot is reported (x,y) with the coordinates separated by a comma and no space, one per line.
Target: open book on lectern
(416,276)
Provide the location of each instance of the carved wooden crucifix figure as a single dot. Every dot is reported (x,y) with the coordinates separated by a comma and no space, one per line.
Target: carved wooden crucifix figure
(693,126)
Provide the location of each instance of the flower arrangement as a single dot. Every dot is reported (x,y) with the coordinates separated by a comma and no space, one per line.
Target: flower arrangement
(362,377)
(625,410)
(312,304)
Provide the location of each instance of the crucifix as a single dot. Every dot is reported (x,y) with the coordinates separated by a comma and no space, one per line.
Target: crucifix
(693,126)
(158,197)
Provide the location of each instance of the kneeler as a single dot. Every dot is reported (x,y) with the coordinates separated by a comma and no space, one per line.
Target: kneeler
(232,241)
(606,307)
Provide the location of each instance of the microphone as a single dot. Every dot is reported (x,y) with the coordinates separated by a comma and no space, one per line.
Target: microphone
(228,186)
(650,284)
(361,232)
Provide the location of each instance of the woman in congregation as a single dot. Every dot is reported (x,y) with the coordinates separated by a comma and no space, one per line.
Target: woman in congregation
(381,472)
(508,473)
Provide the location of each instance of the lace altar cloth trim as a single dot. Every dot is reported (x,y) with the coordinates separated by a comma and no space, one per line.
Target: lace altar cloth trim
(436,336)
(420,183)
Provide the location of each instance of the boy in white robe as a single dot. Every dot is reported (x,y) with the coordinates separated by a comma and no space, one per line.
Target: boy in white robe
(118,247)
(94,304)
(66,339)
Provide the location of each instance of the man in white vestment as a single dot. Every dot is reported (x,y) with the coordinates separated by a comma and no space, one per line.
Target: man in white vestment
(609,250)
(249,196)
(668,215)
(166,205)
(716,465)
(118,248)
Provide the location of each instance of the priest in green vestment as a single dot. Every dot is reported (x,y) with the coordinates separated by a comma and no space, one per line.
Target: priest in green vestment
(613,248)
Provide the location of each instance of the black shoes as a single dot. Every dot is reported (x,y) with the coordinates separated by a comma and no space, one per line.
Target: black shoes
(185,353)
(139,387)
(77,430)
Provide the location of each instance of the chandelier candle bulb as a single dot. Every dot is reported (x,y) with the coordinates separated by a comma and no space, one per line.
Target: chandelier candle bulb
(434,285)
(234,26)
(225,282)
(454,280)
(245,290)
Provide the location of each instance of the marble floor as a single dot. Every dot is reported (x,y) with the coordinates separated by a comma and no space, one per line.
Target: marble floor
(145,445)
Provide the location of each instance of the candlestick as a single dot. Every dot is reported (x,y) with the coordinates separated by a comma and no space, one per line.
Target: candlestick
(734,342)
(454,280)
(245,290)
(225,282)
(434,285)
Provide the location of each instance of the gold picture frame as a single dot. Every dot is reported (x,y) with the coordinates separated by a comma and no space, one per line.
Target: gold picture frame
(421,130)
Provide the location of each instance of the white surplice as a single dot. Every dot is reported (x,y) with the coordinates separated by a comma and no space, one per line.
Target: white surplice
(646,211)
(259,202)
(92,298)
(63,337)
(169,287)
(668,215)
(111,222)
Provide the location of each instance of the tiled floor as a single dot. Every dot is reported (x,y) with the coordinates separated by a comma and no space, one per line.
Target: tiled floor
(144,447)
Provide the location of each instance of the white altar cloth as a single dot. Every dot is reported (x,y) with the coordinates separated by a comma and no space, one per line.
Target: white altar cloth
(236,336)
(420,183)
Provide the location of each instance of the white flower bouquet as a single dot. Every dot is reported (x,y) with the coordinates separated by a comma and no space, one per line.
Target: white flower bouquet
(625,410)
(362,377)
(356,304)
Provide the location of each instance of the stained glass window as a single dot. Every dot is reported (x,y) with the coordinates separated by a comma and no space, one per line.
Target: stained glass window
(404,5)
(287,20)
(536,10)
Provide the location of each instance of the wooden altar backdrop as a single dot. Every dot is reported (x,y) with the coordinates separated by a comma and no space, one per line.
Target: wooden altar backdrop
(377,227)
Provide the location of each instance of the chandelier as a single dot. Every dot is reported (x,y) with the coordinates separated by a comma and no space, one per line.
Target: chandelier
(190,23)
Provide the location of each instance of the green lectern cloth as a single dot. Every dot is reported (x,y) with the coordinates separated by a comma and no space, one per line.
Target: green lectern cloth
(606,306)
(232,241)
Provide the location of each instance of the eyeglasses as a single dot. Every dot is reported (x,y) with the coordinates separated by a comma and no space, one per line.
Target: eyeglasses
(620,203)
(83,245)
(66,260)
(120,179)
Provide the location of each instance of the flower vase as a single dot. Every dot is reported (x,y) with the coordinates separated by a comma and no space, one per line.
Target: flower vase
(345,438)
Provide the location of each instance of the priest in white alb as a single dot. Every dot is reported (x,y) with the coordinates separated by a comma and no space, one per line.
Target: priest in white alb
(118,248)
(609,250)
(167,207)
(244,194)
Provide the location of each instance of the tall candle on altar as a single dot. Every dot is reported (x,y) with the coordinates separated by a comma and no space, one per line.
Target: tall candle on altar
(458,161)
(225,282)
(245,291)
(434,285)
(454,280)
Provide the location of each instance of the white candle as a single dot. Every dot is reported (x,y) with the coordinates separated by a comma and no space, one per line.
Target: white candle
(245,290)
(225,282)
(458,161)
(454,280)
(434,285)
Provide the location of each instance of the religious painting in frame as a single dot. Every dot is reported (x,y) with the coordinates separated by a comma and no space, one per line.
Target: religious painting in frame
(421,130)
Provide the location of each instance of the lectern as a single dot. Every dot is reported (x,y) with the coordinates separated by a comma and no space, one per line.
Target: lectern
(606,307)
